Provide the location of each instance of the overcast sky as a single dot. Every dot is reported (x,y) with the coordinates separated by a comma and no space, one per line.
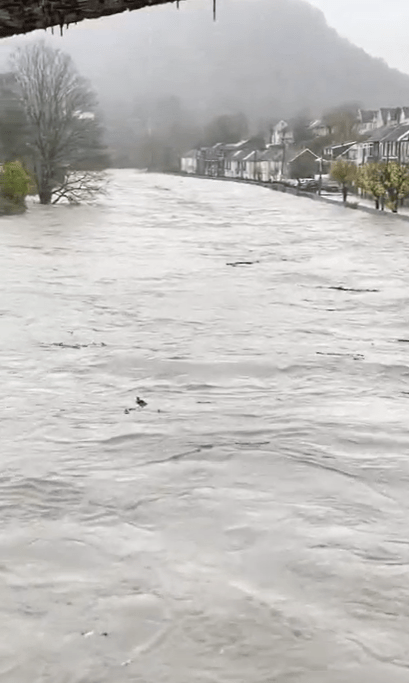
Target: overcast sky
(379,26)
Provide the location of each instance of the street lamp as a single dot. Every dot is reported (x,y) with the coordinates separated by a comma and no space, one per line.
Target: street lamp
(319,161)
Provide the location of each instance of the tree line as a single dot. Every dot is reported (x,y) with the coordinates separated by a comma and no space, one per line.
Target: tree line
(386,182)
(51,135)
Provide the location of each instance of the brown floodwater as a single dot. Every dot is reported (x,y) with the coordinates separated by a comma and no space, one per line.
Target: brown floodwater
(250,523)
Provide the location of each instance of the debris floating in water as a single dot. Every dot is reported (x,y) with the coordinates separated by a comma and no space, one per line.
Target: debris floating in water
(241,263)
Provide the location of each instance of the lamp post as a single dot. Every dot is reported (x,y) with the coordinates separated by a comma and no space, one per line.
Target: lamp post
(319,161)
(283,157)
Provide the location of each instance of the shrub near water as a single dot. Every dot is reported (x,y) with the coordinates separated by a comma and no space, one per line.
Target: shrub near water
(15,184)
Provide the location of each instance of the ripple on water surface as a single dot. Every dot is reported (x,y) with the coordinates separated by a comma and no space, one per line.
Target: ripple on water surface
(250,522)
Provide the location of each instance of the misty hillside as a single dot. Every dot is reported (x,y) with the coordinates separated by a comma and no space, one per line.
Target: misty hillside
(162,74)
(266,58)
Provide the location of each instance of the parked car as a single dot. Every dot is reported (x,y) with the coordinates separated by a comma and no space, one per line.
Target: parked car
(329,186)
(308,184)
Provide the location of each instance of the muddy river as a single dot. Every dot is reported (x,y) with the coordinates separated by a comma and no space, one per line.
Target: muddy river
(249,524)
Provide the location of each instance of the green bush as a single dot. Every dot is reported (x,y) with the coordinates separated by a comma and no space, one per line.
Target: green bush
(15,184)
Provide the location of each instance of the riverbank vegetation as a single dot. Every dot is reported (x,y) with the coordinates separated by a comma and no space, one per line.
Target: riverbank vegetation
(387,183)
(50,129)
(344,173)
(15,184)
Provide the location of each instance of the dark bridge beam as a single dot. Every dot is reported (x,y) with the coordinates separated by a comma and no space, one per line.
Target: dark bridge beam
(23,16)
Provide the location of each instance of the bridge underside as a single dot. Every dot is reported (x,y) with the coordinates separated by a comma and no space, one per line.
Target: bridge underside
(23,16)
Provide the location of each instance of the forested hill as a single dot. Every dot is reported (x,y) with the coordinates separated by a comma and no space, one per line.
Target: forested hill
(262,57)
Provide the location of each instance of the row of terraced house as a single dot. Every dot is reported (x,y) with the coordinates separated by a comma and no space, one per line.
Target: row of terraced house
(250,160)
(382,135)
(386,138)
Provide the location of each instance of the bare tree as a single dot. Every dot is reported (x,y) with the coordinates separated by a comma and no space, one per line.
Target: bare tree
(61,109)
(79,186)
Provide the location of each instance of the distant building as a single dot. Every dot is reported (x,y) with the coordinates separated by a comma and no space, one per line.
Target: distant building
(226,160)
(84,115)
(320,129)
(367,120)
(404,115)
(388,116)
(370,119)
(188,162)
(251,166)
(303,165)
(210,160)
(390,143)
(346,150)
(234,163)
(271,163)
(282,134)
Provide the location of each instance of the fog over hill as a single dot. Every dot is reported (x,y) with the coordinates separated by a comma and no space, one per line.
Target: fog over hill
(264,58)
(260,56)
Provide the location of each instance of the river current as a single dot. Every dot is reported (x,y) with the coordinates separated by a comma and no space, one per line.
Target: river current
(250,524)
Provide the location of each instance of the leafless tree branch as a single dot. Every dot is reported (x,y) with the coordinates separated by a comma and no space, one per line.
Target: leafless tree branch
(80,186)
(61,108)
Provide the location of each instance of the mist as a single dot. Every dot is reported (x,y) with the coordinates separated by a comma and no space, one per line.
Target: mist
(167,73)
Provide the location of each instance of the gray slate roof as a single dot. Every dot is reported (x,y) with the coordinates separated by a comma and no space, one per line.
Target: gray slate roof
(302,153)
(273,153)
(393,111)
(190,155)
(380,133)
(367,115)
(396,133)
(389,133)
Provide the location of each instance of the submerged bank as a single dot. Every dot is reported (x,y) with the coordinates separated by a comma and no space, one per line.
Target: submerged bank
(355,204)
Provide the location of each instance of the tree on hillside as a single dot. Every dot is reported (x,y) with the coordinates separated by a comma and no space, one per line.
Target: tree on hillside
(13,121)
(369,178)
(60,107)
(343,123)
(301,129)
(227,129)
(344,172)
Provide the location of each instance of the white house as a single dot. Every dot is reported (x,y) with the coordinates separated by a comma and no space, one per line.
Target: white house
(371,119)
(367,120)
(188,162)
(388,116)
(282,134)
(404,115)
(234,167)
(251,167)
(270,163)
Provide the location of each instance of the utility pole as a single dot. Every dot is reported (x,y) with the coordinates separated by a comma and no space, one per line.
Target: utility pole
(320,177)
(283,159)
